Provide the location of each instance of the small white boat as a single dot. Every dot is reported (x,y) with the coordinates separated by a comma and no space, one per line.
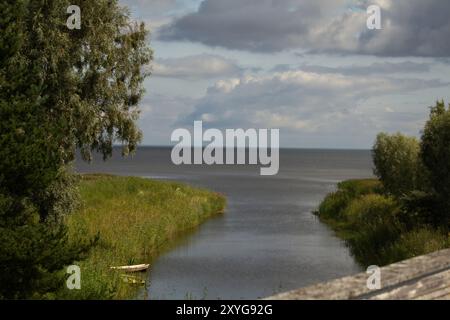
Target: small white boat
(134,268)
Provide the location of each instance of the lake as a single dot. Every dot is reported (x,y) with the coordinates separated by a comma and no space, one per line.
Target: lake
(267,241)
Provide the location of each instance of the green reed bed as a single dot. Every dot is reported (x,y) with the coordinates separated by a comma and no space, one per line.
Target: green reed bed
(133,218)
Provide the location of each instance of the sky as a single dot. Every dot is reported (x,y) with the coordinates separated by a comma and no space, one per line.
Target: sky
(310,68)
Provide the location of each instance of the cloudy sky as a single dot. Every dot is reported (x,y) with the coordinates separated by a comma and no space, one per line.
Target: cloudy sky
(311,68)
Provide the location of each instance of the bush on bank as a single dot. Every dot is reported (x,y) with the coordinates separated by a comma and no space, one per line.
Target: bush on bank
(371,224)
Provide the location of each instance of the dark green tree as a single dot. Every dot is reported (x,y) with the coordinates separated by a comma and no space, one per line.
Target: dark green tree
(60,90)
(435,154)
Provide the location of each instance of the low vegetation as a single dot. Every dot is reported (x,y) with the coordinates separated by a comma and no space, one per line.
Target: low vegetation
(133,219)
(406,211)
(371,223)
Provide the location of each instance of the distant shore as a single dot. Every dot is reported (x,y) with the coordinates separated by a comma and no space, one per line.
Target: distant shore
(134,218)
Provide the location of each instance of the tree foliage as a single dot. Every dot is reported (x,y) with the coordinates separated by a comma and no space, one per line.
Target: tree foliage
(435,154)
(60,90)
(418,173)
(397,163)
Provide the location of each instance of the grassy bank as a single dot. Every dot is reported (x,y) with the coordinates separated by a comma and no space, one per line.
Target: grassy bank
(375,226)
(134,218)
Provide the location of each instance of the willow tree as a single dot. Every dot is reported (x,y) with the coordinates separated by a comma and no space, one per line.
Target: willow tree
(60,90)
(397,163)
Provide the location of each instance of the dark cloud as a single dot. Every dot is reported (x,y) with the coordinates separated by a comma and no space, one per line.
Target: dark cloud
(253,25)
(410,27)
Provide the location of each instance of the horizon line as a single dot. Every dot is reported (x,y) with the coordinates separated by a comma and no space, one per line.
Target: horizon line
(281,148)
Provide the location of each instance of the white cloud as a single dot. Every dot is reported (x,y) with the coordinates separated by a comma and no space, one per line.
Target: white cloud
(299,101)
(201,66)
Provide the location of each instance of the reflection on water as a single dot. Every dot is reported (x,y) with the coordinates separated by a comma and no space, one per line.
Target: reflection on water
(267,241)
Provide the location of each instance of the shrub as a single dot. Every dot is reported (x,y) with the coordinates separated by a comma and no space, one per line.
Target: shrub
(374,224)
(371,209)
(356,188)
(381,229)
(333,205)
(415,243)
(421,209)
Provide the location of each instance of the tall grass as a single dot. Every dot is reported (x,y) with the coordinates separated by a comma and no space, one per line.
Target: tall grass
(134,219)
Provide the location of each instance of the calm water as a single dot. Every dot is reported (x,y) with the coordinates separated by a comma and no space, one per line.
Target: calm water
(267,241)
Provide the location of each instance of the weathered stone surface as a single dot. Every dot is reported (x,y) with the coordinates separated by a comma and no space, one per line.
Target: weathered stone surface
(424,277)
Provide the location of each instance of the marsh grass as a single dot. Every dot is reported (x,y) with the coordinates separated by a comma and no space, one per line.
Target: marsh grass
(133,218)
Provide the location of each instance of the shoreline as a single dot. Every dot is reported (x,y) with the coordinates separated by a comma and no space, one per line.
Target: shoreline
(135,219)
(370,223)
